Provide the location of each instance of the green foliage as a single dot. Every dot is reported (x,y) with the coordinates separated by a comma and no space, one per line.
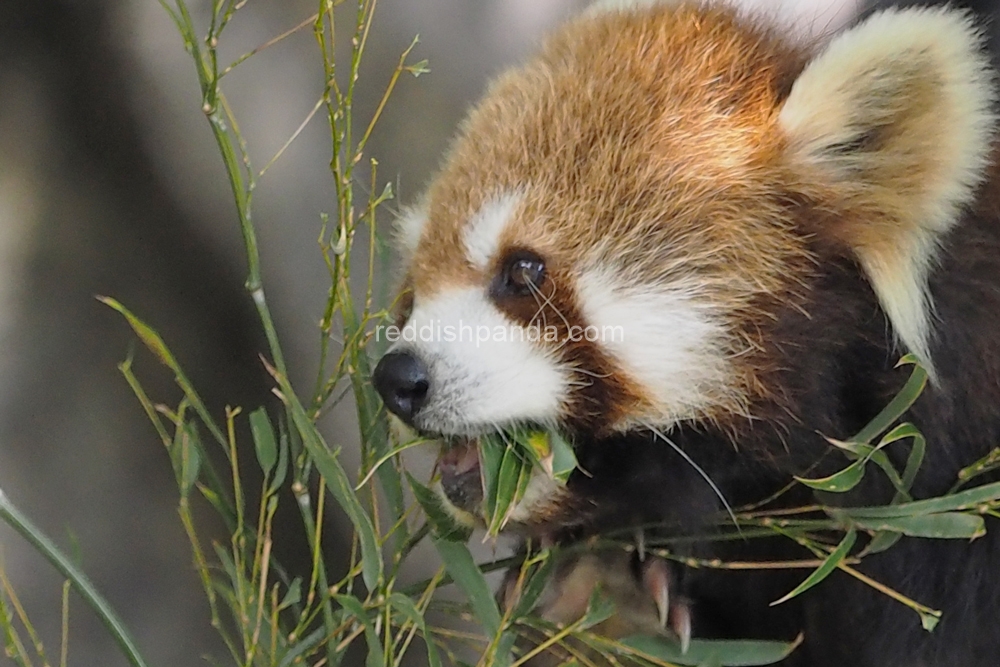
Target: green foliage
(727,653)
(11,606)
(507,460)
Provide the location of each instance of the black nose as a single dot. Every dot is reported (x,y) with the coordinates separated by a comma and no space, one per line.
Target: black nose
(402,380)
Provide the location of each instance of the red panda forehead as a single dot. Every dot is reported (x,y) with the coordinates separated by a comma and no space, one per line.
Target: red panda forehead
(657,125)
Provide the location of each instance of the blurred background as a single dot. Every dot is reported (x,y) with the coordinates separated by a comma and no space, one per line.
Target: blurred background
(111,183)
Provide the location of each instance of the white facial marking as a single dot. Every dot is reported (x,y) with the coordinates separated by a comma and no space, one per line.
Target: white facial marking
(482,233)
(409,226)
(485,370)
(666,339)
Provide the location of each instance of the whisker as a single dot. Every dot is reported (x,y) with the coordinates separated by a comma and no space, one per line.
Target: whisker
(700,471)
(548,302)
(599,376)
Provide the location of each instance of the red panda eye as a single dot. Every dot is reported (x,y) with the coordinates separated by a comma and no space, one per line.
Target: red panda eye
(522,274)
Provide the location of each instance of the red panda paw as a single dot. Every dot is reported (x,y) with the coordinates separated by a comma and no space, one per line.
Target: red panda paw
(641,587)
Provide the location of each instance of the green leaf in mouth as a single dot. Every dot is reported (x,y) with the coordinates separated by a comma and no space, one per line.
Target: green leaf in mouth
(508,461)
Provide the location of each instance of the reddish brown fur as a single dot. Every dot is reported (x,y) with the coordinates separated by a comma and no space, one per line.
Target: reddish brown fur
(676,176)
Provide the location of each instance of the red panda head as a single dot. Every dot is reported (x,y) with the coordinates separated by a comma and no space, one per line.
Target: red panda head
(622,221)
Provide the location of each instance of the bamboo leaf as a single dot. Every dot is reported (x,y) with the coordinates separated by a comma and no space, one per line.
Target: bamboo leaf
(406,607)
(491,457)
(190,463)
(839,482)
(849,477)
(281,471)
(294,594)
(984,465)
(724,653)
(510,485)
(442,522)
(152,340)
(903,483)
(929,619)
(906,397)
(963,500)
(263,439)
(503,655)
(824,570)
(373,420)
(352,605)
(882,541)
(539,570)
(864,451)
(600,607)
(563,458)
(944,526)
(913,463)
(81,584)
(336,479)
(464,571)
(550,451)
(916,458)
(328,465)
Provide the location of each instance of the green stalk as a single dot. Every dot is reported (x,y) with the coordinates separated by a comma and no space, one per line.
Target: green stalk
(19,522)
(208,76)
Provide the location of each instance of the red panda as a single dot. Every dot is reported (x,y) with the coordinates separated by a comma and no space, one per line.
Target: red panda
(682,237)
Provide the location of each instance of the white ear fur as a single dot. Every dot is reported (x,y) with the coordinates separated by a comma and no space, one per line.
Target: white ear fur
(896,117)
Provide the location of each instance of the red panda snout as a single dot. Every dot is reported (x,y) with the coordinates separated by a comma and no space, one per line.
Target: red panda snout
(402,381)
(545,342)
(483,369)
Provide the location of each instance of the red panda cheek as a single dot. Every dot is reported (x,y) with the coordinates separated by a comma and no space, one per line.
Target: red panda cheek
(603,397)
(600,393)
(404,305)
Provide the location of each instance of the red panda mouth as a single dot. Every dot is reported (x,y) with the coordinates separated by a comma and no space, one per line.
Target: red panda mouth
(461,480)
(526,483)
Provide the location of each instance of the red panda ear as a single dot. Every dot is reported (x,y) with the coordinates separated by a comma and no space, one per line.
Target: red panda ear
(894,119)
